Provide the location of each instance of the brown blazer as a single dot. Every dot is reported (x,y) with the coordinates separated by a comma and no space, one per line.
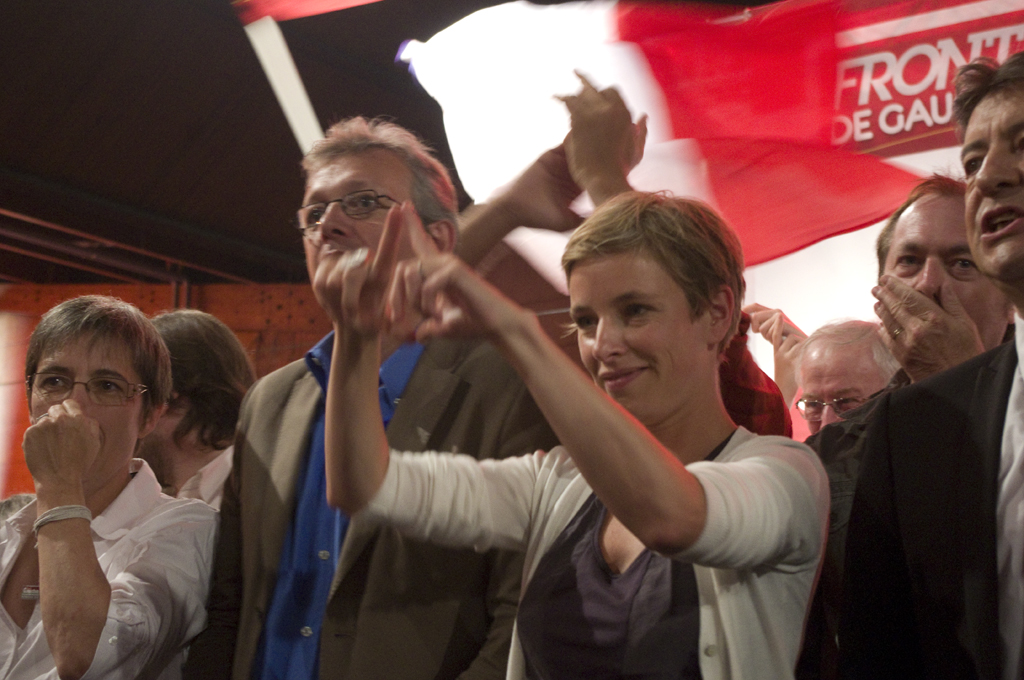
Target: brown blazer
(398,609)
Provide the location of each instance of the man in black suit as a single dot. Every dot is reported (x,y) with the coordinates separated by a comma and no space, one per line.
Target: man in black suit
(934,579)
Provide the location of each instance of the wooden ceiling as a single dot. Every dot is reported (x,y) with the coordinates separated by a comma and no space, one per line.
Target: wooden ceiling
(141,141)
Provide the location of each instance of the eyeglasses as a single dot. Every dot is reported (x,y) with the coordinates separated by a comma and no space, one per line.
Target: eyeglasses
(358,205)
(812,409)
(54,388)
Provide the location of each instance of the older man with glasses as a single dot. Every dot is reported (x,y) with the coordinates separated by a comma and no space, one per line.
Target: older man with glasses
(936,311)
(841,366)
(302,591)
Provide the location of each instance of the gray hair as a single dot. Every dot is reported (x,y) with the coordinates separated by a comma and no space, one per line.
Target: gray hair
(853,332)
(433,193)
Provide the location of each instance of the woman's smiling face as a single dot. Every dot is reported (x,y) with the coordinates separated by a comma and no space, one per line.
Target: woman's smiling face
(638,338)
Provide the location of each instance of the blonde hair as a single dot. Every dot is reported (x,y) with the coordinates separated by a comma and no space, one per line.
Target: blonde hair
(693,244)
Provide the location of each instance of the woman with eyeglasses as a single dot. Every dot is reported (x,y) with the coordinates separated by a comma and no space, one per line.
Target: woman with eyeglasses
(660,541)
(102,576)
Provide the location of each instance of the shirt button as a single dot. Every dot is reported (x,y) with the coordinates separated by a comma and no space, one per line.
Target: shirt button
(112,640)
(710,650)
(306,631)
(323,554)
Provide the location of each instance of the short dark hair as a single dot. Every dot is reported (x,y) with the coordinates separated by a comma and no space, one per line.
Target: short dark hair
(982,78)
(210,369)
(433,194)
(936,185)
(686,237)
(98,317)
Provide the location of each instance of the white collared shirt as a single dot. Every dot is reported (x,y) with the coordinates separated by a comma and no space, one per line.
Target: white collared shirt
(157,553)
(1010,521)
(207,485)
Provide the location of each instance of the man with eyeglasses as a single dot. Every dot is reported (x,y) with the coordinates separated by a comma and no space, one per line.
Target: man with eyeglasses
(937,311)
(934,582)
(841,366)
(301,591)
(101,576)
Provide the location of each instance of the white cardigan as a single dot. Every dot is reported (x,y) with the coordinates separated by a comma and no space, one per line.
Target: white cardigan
(756,560)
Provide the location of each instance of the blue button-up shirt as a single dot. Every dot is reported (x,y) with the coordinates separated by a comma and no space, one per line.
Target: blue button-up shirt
(290,646)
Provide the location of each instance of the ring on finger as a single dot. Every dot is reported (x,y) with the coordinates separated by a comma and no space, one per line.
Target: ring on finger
(896,333)
(40,417)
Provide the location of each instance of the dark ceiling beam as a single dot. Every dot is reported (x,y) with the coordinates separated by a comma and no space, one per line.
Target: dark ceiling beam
(20,269)
(138,230)
(390,78)
(67,263)
(86,253)
(10,278)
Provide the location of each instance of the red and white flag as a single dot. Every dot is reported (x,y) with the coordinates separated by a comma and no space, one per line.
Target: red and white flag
(756,90)
(779,116)
(894,93)
(741,106)
(745,113)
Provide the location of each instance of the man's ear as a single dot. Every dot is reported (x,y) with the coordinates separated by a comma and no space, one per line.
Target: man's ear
(444,233)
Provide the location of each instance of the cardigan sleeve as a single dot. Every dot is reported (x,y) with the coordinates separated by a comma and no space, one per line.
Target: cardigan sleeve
(459,501)
(767,506)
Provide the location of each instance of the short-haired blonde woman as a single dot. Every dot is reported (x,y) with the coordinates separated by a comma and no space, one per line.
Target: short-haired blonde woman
(661,541)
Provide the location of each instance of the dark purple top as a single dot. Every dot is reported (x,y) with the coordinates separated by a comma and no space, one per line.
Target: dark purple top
(578,620)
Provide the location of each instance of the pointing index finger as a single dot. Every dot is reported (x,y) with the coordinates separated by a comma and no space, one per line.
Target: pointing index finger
(587,85)
(422,244)
(384,261)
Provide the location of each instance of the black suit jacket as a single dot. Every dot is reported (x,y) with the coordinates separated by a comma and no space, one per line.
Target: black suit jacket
(921,583)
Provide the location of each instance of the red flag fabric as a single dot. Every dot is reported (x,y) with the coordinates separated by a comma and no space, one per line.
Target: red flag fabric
(898,60)
(765,73)
(781,197)
(756,89)
(282,10)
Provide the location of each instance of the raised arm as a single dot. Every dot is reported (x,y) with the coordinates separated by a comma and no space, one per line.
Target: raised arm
(352,288)
(643,484)
(74,594)
(603,143)
(601,148)
(539,198)
(787,340)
